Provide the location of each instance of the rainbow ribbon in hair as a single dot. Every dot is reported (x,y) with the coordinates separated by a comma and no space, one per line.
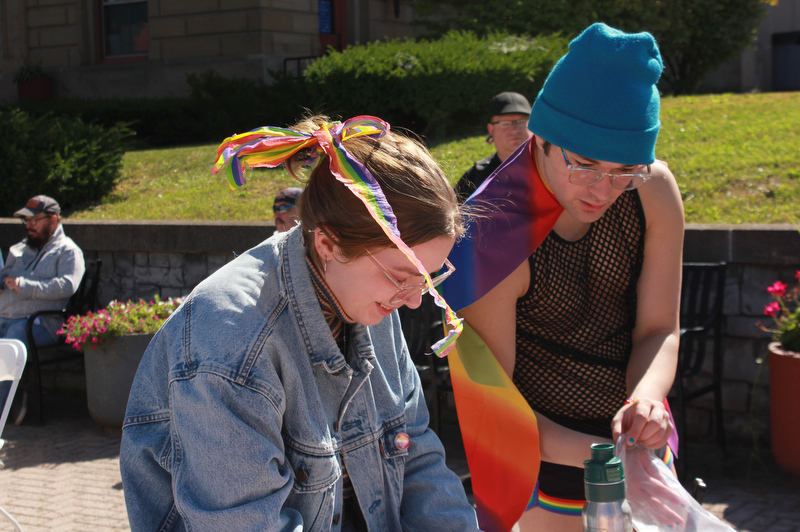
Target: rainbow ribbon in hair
(270,146)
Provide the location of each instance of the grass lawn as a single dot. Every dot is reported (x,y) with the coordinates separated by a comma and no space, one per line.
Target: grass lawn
(736,158)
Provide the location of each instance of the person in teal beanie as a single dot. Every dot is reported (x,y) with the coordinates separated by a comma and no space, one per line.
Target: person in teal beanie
(587,327)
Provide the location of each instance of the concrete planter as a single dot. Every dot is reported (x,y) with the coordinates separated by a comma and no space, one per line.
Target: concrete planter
(109,376)
(784,399)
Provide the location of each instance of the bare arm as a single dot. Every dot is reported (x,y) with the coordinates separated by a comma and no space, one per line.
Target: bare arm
(494,318)
(653,361)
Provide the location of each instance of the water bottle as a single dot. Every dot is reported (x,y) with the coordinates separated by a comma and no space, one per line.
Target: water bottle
(606,509)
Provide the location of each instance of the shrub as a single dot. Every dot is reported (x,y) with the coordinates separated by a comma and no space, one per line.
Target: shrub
(75,162)
(236,105)
(157,122)
(216,108)
(433,87)
(695,37)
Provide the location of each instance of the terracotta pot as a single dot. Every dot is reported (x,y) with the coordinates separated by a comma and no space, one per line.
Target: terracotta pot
(784,399)
(110,370)
(39,88)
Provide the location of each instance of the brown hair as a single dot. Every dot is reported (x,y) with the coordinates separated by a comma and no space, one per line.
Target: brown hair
(421,197)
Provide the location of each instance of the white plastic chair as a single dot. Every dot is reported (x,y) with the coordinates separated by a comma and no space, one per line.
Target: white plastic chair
(12,362)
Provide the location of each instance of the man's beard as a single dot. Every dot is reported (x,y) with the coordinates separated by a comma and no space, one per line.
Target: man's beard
(35,241)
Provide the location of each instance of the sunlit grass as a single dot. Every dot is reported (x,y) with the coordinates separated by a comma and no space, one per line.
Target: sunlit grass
(176,184)
(736,158)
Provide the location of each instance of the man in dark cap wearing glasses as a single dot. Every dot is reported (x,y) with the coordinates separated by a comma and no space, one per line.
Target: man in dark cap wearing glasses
(285,209)
(41,273)
(508,128)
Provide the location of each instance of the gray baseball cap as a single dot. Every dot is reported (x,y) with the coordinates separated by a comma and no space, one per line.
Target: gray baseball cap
(37,205)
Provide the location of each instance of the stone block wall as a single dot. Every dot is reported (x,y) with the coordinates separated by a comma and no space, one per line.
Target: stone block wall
(757,256)
(141,259)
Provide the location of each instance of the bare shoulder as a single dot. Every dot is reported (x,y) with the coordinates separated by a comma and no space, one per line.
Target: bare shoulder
(661,196)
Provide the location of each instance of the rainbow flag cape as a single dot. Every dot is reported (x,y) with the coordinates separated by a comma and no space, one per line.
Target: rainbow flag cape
(516,212)
(499,430)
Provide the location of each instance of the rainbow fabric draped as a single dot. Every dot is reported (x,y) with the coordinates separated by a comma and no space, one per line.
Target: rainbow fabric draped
(271,146)
(498,427)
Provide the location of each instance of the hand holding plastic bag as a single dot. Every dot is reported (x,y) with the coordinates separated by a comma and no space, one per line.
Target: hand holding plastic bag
(658,501)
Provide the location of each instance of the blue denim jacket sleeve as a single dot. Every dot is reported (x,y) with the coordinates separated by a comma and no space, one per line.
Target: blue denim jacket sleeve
(213,490)
(219,441)
(425,469)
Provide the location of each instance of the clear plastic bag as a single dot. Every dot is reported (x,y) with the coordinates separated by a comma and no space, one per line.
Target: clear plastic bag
(658,501)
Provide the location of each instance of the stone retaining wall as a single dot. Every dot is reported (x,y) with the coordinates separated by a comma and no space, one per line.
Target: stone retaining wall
(141,259)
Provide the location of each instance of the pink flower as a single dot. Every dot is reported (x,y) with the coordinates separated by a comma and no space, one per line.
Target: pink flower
(772,309)
(777,289)
(94,339)
(797,275)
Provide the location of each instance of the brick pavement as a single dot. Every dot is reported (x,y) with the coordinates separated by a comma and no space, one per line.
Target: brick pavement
(64,476)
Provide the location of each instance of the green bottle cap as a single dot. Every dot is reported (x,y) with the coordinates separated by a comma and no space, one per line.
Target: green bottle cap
(604,479)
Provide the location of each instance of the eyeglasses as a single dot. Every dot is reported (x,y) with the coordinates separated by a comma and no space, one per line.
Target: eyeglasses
(404,293)
(506,125)
(33,221)
(282,208)
(586,177)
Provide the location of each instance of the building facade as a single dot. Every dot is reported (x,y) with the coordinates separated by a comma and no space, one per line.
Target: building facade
(773,63)
(145,48)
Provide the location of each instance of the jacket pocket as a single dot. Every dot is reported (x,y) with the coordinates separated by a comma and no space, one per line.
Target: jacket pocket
(312,472)
(315,481)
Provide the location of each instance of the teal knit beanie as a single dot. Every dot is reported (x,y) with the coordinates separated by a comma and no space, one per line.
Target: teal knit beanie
(600,100)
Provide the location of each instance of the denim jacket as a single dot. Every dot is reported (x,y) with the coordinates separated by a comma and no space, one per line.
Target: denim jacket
(243,409)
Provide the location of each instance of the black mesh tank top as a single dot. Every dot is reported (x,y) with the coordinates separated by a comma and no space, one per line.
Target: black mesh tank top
(574,325)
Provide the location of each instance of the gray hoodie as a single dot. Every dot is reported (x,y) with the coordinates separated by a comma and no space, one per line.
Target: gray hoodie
(47,278)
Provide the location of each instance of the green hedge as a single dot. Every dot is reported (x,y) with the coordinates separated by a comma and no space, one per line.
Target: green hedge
(75,162)
(216,108)
(435,87)
(157,122)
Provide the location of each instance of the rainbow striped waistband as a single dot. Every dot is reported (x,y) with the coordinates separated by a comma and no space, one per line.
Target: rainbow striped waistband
(554,504)
(574,507)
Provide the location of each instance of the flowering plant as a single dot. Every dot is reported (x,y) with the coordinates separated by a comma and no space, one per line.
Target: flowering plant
(785,310)
(117,319)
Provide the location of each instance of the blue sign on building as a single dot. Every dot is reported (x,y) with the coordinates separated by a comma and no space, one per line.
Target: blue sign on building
(325,17)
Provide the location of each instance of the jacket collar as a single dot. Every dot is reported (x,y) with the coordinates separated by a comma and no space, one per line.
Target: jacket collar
(295,284)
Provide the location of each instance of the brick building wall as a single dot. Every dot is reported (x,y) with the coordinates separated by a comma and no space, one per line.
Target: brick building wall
(236,38)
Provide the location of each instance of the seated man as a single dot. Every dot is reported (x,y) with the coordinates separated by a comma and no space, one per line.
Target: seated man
(285,209)
(508,128)
(41,273)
